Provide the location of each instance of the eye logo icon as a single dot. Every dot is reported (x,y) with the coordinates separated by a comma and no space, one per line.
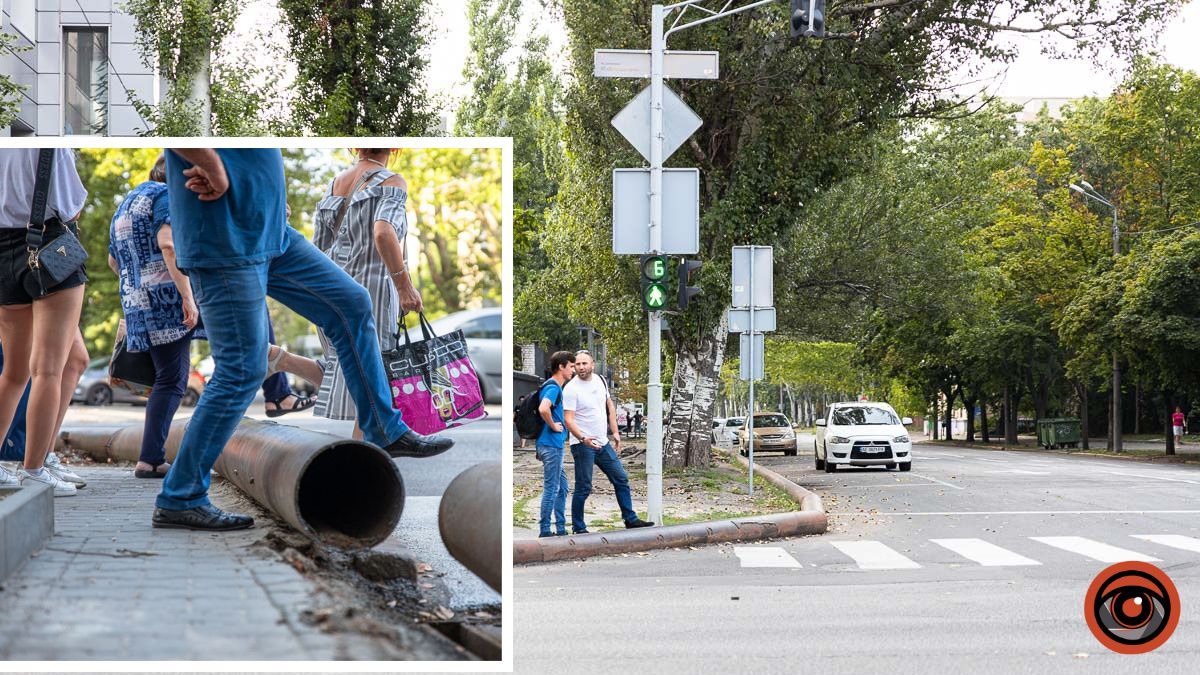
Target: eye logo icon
(1132,607)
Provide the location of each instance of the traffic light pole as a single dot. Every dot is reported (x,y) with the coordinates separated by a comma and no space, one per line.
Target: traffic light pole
(654,403)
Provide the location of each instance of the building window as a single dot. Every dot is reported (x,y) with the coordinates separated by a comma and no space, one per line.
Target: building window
(85,77)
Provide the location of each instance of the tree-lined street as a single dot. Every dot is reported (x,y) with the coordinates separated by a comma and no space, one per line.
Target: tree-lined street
(976,561)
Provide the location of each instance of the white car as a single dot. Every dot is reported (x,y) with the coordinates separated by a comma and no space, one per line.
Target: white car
(862,434)
(726,434)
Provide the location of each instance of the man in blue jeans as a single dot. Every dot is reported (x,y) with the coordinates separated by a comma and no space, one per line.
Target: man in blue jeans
(233,241)
(550,445)
(592,418)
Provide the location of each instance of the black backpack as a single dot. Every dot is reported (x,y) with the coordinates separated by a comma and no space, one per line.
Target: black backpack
(528,420)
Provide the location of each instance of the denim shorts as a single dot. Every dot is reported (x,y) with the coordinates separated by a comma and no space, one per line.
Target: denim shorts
(18,284)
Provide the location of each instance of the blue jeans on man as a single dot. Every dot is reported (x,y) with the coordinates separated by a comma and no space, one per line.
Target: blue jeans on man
(554,490)
(232,302)
(606,458)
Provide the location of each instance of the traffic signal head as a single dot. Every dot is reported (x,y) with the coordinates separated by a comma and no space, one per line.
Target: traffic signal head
(654,274)
(686,291)
(808,18)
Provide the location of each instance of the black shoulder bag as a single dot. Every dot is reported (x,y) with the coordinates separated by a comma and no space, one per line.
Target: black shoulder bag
(53,261)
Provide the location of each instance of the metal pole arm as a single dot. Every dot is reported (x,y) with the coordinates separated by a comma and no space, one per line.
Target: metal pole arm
(713,15)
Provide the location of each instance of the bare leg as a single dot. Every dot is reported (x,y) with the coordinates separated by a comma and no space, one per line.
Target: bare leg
(357,434)
(16,332)
(77,362)
(52,344)
(297,365)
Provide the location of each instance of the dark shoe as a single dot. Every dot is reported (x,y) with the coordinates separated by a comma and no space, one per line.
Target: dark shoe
(206,517)
(561,534)
(299,404)
(544,535)
(637,522)
(412,444)
(157,472)
(580,532)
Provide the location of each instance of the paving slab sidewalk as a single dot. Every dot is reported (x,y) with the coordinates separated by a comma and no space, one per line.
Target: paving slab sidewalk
(109,587)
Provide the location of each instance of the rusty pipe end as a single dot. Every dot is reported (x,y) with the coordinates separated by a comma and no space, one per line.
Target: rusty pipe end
(350,494)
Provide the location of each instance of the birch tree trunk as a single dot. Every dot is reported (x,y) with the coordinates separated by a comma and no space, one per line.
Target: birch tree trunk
(687,440)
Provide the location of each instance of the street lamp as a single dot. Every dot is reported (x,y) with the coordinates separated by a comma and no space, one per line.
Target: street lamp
(1090,192)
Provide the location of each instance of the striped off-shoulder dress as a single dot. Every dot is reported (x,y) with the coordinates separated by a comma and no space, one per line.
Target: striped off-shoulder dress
(353,249)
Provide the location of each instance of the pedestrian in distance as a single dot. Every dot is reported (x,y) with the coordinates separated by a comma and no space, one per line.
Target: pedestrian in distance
(39,317)
(595,440)
(1179,425)
(550,446)
(232,239)
(361,225)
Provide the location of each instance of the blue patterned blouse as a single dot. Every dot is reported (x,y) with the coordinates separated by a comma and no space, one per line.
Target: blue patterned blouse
(152,304)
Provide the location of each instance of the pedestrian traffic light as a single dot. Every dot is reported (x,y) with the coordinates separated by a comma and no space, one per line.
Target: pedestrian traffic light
(808,18)
(686,291)
(654,274)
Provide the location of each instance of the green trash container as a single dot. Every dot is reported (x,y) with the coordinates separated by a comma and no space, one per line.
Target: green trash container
(1063,432)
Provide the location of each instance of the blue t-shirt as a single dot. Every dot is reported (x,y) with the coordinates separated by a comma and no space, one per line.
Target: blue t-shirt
(550,437)
(245,226)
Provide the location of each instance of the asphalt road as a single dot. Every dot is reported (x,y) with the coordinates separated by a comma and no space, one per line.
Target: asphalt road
(424,481)
(976,561)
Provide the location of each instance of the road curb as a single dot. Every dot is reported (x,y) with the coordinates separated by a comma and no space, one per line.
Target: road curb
(550,549)
(26,524)
(810,519)
(807,500)
(1177,458)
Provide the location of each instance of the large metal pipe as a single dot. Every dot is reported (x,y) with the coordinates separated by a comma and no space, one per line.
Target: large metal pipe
(470,521)
(342,492)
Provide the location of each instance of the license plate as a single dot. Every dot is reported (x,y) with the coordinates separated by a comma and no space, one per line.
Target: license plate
(873,451)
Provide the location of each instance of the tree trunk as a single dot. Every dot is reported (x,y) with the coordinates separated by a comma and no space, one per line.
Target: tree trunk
(1010,416)
(1168,425)
(1081,389)
(934,417)
(949,418)
(987,435)
(969,403)
(1109,409)
(1137,408)
(687,431)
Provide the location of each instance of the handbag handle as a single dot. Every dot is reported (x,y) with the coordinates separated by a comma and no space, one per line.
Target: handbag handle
(337,224)
(41,192)
(426,329)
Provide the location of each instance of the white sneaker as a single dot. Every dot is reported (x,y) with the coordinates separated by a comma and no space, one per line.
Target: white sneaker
(7,479)
(55,466)
(61,487)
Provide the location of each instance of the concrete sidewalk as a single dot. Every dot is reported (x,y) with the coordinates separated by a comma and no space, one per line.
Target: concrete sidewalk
(109,587)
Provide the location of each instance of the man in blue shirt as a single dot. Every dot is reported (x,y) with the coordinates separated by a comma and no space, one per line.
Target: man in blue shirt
(550,445)
(228,209)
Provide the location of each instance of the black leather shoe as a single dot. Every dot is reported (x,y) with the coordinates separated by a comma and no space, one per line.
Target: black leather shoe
(580,532)
(637,522)
(412,444)
(206,517)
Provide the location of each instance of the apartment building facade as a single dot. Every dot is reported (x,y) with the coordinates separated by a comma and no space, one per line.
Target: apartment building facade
(80,68)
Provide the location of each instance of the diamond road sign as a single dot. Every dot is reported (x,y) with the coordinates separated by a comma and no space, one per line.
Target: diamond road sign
(679,122)
(680,212)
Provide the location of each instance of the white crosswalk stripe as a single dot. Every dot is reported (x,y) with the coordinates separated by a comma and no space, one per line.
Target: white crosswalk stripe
(1172,540)
(874,555)
(984,553)
(764,556)
(1095,550)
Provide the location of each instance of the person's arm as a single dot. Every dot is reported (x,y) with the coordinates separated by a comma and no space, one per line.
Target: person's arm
(112,265)
(614,428)
(207,177)
(191,314)
(546,410)
(387,242)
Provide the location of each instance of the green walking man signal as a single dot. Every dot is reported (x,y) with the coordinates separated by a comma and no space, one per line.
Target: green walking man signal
(654,274)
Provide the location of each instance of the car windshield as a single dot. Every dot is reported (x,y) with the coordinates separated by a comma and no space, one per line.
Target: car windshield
(736,422)
(863,415)
(770,421)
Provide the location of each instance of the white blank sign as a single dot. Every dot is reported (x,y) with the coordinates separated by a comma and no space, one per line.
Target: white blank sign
(764,276)
(680,216)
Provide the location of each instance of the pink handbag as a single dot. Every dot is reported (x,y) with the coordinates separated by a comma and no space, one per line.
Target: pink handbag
(434,384)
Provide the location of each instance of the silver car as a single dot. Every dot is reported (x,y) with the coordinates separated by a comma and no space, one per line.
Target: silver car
(94,389)
(484,331)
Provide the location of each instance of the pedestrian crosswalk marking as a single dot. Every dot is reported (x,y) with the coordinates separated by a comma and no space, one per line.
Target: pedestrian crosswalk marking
(764,556)
(1095,550)
(874,555)
(1172,540)
(984,553)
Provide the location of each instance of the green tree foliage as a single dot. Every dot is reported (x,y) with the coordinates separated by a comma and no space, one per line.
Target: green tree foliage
(10,91)
(360,67)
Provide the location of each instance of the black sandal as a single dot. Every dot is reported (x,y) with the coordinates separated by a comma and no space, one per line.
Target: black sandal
(153,473)
(301,404)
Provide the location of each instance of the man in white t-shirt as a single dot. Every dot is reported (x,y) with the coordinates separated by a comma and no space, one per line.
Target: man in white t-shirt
(591,418)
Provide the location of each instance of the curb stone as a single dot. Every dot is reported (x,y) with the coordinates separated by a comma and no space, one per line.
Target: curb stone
(810,519)
(26,524)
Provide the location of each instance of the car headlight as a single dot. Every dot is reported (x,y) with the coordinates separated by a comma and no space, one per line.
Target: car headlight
(839,440)
(790,433)
(900,439)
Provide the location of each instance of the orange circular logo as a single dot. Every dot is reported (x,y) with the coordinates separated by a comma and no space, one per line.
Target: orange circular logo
(1132,607)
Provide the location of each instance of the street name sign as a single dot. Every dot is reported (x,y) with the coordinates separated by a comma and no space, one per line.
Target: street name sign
(679,122)
(635,63)
(681,212)
(764,320)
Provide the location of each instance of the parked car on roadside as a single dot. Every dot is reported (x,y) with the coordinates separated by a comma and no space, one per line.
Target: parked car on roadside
(726,434)
(94,388)
(862,434)
(772,433)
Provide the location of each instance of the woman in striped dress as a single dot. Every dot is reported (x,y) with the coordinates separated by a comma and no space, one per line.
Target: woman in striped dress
(361,224)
